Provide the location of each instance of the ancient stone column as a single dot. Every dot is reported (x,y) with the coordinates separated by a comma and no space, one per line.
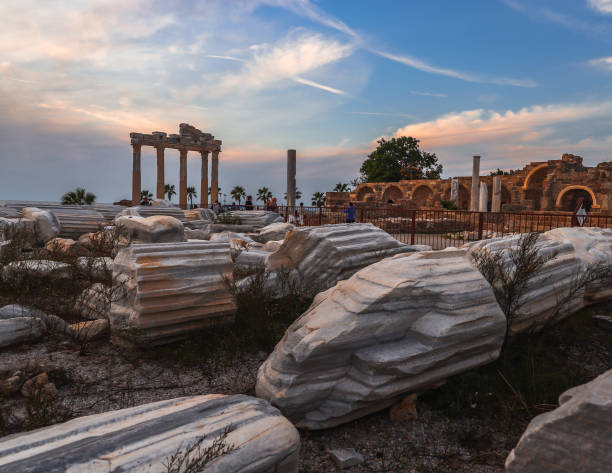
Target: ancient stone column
(204,180)
(291,166)
(214,177)
(483,198)
(136,174)
(454,195)
(496,202)
(160,172)
(183,179)
(475,183)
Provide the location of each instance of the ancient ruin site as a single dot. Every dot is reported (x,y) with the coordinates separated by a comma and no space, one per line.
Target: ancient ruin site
(306,237)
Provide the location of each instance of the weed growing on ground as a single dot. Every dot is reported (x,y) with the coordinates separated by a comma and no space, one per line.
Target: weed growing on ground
(194,458)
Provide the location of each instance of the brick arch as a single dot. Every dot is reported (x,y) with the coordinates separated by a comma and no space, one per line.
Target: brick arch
(571,188)
(364,192)
(392,192)
(532,172)
(422,193)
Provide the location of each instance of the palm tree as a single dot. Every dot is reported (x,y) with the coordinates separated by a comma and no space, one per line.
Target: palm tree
(218,190)
(78,197)
(298,194)
(342,187)
(318,199)
(238,193)
(264,194)
(169,191)
(191,193)
(145,193)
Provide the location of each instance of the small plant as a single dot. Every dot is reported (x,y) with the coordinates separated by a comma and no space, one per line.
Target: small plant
(194,458)
(448,204)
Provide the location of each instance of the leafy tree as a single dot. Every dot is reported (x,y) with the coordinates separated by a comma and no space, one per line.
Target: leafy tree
(78,197)
(318,199)
(298,194)
(501,172)
(397,159)
(342,187)
(238,193)
(145,193)
(264,194)
(218,190)
(169,191)
(191,193)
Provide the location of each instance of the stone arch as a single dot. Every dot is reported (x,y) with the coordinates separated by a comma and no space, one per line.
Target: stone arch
(392,192)
(422,195)
(364,192)
(506,196)
(532,173)
(563,203)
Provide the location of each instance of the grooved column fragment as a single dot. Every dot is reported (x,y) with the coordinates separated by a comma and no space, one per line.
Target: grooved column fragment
(204,180)
(183,179)
(160,172)
(136,174)
(214,171)
(496,203)
(475,183)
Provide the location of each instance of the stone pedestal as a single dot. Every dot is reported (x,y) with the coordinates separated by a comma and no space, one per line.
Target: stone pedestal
(483,198)
(136,174)
(454,195)
(160,173)
(475,183)
(291,166)
(204,181)
(214,171)
(496,200)
(183,180)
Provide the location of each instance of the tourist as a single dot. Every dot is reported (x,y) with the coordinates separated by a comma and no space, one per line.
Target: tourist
(350,213)
(273,205)
(248,205)
(234,206)
(216,207)
(302,212)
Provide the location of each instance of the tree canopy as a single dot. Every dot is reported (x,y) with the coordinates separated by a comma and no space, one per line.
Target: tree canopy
(318,199)
(397,159)
(238,193)
(78,197)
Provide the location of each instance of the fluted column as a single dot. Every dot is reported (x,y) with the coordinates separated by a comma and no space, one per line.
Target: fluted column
(183,179)
(475,183)
(214,177)
(204,180)
(160,172)
(136,174)
(496,200)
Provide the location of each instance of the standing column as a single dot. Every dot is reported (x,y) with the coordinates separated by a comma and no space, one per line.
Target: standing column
(161,180)
(214,177)
(204,180)
(475,183)
(496,201)
(136,174)
(183,178)
(291,181)
(483,198)
(454,195)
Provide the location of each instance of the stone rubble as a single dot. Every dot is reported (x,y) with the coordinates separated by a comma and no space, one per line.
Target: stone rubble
(345,457)
(46,224)
(155,229)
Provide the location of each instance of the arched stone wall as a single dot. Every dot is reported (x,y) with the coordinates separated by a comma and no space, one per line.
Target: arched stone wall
(393,193)
(559,201)
(422,195)
(531,174)
(363,193)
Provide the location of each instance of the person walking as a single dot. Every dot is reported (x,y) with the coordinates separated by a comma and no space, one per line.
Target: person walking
(350,213)
(248,205)
(273,205)
(216,207)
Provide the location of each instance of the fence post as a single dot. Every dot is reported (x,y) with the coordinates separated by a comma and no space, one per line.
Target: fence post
(412,226)
(480,224)
(320,216)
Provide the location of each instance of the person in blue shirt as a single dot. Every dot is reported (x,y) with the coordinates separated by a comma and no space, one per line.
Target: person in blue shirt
(350,213)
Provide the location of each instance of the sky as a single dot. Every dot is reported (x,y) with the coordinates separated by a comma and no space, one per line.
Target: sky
(514,81)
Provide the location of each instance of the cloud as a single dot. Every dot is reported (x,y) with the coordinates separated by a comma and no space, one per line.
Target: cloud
(427,94)
(318,86)
(383,114)
(229,58)
(480,125)
(605,62)
(287,59)
(602,6)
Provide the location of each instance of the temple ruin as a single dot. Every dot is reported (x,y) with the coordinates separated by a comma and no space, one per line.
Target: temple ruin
(553,185)
(188,139)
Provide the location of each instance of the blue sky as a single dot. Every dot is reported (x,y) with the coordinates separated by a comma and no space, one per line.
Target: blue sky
(512,80)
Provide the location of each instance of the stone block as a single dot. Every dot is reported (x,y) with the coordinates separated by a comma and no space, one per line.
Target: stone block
(155,229)
(17,330)
(46,224)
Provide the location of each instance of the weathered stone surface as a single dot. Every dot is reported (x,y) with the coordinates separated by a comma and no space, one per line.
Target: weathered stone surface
(50,322)
(100,267)
(163,204)
(66,247)
(228,227)
(75,222)
(256,218)
(89,330)
(16,330)
(252,258)
(396,327)
(140,439)
(603,321)
(36,268)
(23,228)
(571,251)
(156,229)
(574,437)
(171,289)
(345,457)
(200,214)
(274,231)
(94,302)
(319,257)
(197,234)
(273,245)
(150,211)
(46,223)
